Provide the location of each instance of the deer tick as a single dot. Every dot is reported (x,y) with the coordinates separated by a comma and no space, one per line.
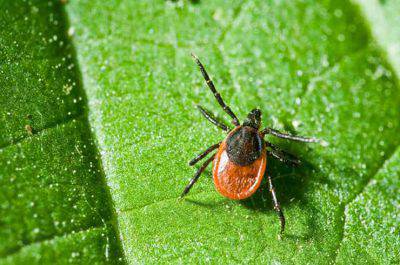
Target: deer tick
(240,161)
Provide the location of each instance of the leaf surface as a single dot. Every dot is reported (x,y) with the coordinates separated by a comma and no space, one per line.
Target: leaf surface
(316,68)
(54,205)
(313,68)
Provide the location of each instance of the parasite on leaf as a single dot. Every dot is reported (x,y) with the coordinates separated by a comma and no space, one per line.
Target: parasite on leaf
(241,158)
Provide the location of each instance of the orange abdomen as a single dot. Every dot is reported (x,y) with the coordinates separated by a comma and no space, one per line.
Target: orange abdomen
(234,181)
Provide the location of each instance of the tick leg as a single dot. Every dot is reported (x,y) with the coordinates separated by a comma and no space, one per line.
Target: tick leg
(211,118)
(283,156)
(277,207)
(196,176)
(278,155)
(203,154)
(288,136)
(210,84)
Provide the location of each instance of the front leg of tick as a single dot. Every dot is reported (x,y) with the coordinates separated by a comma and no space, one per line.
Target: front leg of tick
(277,206)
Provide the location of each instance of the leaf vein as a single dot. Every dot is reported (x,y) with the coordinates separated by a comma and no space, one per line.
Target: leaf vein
(158,202)
(321,75)
(49,239)
(352,198)
(49,126)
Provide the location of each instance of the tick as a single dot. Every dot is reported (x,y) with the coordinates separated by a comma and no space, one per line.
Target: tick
(240,161)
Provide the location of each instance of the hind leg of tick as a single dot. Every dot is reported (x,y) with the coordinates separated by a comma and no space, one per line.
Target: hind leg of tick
(277,206)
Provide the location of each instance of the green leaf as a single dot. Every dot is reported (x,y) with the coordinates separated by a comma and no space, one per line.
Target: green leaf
(372,217)
(54,205)
(383,18)
(313,68)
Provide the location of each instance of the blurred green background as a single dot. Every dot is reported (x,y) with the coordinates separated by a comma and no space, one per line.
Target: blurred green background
(97,123)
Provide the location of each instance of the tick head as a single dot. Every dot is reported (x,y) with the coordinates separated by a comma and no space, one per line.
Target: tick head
(253,119)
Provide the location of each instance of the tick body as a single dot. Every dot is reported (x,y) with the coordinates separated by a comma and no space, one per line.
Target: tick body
(239,164)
